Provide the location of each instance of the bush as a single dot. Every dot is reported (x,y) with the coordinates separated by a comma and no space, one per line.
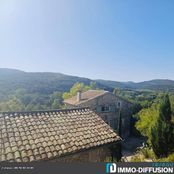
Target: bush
(137,158)
(170,158)
(148,153)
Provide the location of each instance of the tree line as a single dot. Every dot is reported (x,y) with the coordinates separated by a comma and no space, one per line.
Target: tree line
(22,100)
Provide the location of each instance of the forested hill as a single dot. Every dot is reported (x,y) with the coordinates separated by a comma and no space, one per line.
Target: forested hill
(46,82)
(163,85)
(21,90)
(41,83)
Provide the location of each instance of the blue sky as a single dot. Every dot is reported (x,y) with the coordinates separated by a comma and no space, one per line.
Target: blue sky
(123,40)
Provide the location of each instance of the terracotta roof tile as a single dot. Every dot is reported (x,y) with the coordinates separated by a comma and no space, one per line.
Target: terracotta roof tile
(42,135)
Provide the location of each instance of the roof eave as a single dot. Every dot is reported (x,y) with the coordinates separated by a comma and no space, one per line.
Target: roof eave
(83,150)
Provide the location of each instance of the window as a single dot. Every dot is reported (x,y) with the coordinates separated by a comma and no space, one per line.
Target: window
(119,104)
(105,108)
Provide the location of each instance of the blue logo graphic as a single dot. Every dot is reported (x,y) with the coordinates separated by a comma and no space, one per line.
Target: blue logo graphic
(111,168)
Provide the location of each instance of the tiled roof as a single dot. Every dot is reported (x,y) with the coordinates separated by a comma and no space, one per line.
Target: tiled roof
(85,96)
(43,135)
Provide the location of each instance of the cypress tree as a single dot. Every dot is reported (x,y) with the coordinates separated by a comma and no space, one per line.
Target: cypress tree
(161,133)
(165,109)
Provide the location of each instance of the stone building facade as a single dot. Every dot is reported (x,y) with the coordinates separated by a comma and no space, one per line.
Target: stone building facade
(107,105)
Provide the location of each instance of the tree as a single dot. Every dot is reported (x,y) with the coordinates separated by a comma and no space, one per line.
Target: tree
(56,100)
(172,104)
(147,118)
(78,87)
(14,104)
(162,132)
(92,85)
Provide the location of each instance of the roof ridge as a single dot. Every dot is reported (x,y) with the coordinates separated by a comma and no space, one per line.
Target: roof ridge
(41,111)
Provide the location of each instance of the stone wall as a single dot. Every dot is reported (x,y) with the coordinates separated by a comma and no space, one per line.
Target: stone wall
(112,117)
(99,154)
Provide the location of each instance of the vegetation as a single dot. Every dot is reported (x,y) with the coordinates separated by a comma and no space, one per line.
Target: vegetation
(21,91)
(142,157)
(152,85)
(23,101)
(170,158)
(145,154)
(147,119)
(79,87)
(156,124)
(141,98)
(35,83)
(162,132)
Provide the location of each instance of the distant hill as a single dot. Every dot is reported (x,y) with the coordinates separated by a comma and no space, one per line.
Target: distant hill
(159,84)
(163,85)
(42,83)
(27,91)
(47,83)
(116,84)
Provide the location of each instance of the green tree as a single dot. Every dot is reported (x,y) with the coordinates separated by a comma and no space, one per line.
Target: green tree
(172,104)
(14,104)
(56,100)
(162,131)
(92,85)
(78,87)
(147,118)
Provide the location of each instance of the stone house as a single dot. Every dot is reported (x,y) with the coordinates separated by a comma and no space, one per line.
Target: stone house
(107,105)
(70,135)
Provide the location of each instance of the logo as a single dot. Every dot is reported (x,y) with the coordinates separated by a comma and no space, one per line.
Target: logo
(111,168)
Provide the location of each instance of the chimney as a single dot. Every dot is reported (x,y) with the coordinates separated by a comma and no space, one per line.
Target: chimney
(79,95)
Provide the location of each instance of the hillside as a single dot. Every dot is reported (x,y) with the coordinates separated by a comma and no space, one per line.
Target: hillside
(42,83)
(21,90)
(163,85)
(46,83)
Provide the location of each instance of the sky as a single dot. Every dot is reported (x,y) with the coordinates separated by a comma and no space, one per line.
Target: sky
(118,40)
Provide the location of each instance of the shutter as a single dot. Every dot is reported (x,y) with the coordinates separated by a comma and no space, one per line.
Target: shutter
(98,109)
(112,108)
